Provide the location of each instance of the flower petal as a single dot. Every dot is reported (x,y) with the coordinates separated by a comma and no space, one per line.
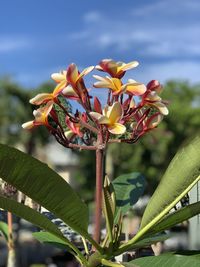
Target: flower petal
(117,128)
(128,66)
(41,98)
(59,88)
(72,73)
(28,125)
(59,77)
(153,96)
(104,82)
(135,88)
(69,92)
(85,72)
(161,107)
(114,112)
(100,118)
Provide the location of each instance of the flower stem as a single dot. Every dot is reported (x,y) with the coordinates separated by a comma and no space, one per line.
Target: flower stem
(10,230)
(99,185)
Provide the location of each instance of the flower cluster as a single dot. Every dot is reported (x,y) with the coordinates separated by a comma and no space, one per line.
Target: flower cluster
(131,108)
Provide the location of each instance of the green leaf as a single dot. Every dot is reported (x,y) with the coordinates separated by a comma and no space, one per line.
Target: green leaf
(36,180)
(181,175)
(40,220)
(49,238)
(177,217)
(109,206)
(29,214)
(128,189)
(176,259)
(147,241)
(4,230)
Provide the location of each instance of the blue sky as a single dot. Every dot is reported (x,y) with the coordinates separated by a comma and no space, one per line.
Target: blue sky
(41,37)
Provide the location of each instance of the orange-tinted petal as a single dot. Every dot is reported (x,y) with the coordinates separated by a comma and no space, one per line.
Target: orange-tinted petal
(135,88)
(59,88)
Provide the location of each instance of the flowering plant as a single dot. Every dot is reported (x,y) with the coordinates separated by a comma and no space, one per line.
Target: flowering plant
(129,111)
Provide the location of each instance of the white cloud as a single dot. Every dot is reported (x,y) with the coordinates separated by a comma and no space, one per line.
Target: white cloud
(152,37)
(92,16)
(170,7)
(164,71)
(9,44)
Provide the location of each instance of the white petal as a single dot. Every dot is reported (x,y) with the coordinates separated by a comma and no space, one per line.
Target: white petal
(28,125)
(100,118)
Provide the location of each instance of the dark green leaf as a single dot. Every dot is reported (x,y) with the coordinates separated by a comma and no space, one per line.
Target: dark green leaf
(29,214)
(36,180)
(49,238)
(128,189)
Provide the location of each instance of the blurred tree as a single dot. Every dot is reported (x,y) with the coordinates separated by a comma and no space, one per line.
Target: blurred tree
(15,110)
(152,153)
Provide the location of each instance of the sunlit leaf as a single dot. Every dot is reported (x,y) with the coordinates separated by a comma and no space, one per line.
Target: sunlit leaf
(176,259)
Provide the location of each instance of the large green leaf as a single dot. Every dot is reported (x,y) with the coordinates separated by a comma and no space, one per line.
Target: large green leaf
(29,214)
(176,217)
(4,230)
(181,175)
(39,220)
(128,189)
(43,185)
(147,241)
(168,260)
(49,238)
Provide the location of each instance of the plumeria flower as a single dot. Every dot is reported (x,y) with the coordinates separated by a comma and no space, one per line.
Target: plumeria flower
(74,76)
(115,84)
(153,99)
(135,88)
(69,92)
(116,69)
(46,97)
(41,117)
(60,77)
(111,117)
